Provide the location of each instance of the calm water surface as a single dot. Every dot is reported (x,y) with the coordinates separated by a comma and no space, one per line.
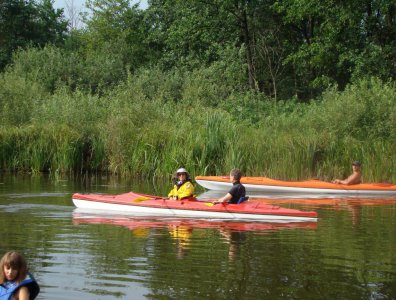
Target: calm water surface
(350,253)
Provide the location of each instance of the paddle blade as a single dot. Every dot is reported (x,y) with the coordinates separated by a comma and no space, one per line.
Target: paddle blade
(140,199)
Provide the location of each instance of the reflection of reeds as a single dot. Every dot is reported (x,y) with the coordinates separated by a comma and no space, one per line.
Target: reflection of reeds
(150,126)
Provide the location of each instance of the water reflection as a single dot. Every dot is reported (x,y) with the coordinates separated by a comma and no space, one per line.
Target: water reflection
(234,239)
(132,222)
(182,235)
(89,255)
(181,230)
(353,205)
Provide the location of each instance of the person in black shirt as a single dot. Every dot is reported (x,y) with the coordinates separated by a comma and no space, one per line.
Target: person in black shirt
(236,192)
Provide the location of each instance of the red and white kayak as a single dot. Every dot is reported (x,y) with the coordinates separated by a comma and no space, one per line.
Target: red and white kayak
(152,205)
(268,185)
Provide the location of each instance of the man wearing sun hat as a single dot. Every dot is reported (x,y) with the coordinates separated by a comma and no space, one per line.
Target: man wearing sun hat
(355,177)
(183,187)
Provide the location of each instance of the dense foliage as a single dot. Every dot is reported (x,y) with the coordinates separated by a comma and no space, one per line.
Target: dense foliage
(27,22)
(289,89)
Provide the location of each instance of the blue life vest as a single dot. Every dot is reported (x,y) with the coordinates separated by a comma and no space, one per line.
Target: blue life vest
(8,288)
(243,199)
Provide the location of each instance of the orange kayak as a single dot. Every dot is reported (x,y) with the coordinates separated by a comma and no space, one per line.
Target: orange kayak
(268,185)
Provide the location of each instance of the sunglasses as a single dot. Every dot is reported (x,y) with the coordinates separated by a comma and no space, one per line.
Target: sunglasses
(179,174)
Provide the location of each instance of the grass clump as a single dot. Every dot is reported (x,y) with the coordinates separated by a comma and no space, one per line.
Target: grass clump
(151,122)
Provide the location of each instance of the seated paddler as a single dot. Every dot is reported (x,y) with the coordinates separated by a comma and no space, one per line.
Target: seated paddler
(183,188)
(355,177)
(237,193)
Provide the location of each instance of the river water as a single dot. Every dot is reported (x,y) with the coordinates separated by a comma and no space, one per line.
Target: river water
(350,253)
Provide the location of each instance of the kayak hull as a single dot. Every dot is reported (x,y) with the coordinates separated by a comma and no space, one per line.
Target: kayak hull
(267,185)
(126,203)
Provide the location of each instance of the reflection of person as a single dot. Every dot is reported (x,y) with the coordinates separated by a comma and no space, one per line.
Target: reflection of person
(182,235)
(355,211)
(15,281)
(355,177)
(183,187)
(237,191)
(235,239)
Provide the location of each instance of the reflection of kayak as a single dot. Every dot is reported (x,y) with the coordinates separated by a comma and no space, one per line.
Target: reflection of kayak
(300,197)
(268,185)
(329,201)
(136,222)
(147,204)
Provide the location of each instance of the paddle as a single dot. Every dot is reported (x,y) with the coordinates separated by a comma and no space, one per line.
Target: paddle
(144,198)
(241,200)
(210,204)
(140,199)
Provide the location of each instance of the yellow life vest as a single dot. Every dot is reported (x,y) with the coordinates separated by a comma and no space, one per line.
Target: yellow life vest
(186,190)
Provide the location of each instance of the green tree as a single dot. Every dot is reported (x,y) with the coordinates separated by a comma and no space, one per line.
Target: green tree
(121,29)
(195,34)
(334,41)
(27,22)
(190,33)
(292,47)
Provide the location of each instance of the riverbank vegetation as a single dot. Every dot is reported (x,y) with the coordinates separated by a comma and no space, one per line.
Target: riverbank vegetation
(210,86)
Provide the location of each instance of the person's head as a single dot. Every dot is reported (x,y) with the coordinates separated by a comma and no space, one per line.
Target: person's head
(13,267)
(235,175)
(182,174)
(356,165)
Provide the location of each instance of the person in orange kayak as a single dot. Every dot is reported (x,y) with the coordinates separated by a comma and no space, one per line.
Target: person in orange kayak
(354,178)
(237,193)
(183,187)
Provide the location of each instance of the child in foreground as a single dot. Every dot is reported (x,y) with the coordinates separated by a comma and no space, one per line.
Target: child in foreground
(15,281)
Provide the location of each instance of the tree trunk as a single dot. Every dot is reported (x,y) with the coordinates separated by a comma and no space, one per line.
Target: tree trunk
(248,43)
(390,20)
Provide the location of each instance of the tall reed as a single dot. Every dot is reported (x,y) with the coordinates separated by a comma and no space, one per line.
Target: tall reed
(156,121)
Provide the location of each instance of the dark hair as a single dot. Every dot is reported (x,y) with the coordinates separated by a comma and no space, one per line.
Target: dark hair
(356,163)
(16,261)
(236,173)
